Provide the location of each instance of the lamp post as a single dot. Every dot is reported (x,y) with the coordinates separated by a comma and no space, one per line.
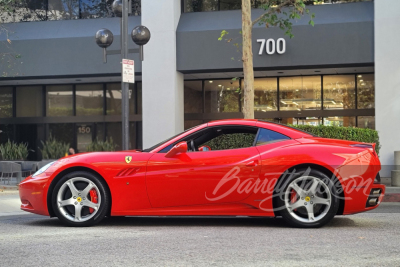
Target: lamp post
(104,38)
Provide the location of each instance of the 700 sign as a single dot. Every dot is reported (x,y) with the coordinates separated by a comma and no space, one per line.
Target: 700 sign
(271,46)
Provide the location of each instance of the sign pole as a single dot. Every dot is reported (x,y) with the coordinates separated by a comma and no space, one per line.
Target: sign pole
(124,85)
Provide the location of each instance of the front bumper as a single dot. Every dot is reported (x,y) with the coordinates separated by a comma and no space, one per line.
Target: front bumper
(33,194)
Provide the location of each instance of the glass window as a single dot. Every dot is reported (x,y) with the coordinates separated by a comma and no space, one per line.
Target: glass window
(63,9)
(340,121)
(84,136)
(230,4)
(267,136)
(89,99)
(6,102)
(221,96)
(265,94)
(27,10)
(114,99)
(366,122)
(314,121)
(63,132)
(94,9)
(227,138)
(339,92)
(200,5)
(366,91)
(29,101)
(6,133)
(300,93)
(59,100)
(193,97)
(139,98)
(114,131)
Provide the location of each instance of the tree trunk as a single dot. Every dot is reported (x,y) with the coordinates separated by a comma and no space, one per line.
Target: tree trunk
(248,90)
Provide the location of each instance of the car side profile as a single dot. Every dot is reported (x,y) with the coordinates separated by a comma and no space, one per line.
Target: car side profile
(221,168)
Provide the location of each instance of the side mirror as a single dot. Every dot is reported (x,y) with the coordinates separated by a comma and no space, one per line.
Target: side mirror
(178,148)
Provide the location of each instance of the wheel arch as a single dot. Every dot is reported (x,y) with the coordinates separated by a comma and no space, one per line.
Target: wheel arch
(65,172)
(322,169)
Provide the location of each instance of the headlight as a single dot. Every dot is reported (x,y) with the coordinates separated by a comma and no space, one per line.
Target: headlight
(43,169)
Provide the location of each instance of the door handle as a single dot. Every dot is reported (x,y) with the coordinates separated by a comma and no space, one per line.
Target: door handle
(253,163)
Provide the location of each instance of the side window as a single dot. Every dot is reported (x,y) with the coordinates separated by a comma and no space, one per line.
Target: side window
(231,141)
(267,136)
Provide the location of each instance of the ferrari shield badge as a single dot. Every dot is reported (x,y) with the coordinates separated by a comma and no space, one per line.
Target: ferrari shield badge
(128,159)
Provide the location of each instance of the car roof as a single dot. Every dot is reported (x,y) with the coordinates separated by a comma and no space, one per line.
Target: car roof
(291,132)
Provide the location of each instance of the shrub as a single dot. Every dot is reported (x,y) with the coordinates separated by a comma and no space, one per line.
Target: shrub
(229,141)
(53,149)
(97,145)
(14,151)
(344,133)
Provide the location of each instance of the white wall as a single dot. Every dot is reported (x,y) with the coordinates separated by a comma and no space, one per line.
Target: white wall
(162,84)
(387,79)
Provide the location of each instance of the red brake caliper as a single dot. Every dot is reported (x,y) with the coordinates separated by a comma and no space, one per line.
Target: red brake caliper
(293,196)
(93,198)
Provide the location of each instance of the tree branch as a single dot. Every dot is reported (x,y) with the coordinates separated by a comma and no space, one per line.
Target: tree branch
(270,11)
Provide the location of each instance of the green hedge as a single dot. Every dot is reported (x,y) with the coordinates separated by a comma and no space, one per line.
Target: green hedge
(230,141)
(344,133)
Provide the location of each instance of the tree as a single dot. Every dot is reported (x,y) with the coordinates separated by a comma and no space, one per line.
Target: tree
(278,13)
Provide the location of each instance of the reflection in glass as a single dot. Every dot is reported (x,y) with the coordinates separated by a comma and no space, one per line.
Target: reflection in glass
(230,4)
(366,91)
(7,133)
(340,121)
(313,121)
(366,122)
(200,5)
(95,9)
(339,92)
(114,131)
(84,133)
(193,96)
(29,101)
(27,10)
(300,93)
(63,9)
(265,94)
(114,99)
(63,132)
(59,99)
(221,96)
(89,99)
(6,102)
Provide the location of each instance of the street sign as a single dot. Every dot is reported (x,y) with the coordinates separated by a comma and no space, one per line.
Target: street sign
(128,71)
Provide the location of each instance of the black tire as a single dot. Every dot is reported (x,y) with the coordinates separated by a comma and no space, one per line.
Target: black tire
(295,220)
(102,210)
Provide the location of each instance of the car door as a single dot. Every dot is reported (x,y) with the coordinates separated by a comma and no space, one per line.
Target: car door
(202,177)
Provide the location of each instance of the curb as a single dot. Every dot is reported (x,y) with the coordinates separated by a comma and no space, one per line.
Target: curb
(8,187)
(391,197)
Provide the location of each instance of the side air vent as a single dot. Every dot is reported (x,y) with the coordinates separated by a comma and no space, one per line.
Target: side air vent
(128,172)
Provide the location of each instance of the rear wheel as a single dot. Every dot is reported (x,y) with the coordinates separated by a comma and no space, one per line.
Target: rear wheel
(308,199)
(80,199)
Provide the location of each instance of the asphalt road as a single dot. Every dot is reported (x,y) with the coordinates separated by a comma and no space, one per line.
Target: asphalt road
(367,239)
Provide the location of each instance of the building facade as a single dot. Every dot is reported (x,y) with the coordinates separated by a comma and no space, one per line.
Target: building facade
(58,85)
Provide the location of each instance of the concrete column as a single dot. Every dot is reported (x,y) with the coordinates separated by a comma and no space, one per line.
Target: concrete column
(163,106)
(387,80)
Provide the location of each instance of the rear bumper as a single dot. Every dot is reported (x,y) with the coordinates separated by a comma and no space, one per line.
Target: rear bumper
(33,194)
(365,199)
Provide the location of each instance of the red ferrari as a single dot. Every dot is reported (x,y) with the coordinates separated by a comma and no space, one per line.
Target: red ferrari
(222,168)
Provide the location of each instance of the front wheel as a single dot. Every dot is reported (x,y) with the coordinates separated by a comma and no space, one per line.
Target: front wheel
(308,199)
(80,199)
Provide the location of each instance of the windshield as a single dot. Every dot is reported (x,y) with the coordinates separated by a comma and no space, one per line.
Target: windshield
(159,144)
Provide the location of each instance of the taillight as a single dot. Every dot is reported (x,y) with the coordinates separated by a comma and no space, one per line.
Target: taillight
(370,147)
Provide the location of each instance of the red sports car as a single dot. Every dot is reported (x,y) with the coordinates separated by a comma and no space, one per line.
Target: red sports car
(224,168)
